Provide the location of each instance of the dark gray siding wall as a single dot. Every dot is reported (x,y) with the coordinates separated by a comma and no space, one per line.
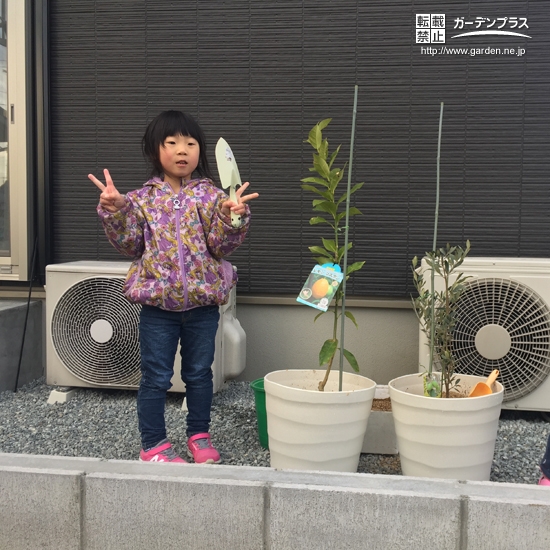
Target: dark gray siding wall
(261,74)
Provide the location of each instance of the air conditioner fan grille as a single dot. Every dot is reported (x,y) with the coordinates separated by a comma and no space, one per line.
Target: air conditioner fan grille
(95,332)
(517,322)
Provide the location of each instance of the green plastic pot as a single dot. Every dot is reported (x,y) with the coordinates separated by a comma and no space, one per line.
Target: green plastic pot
(261,415)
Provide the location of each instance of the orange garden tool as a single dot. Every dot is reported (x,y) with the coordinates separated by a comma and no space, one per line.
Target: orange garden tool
(484,388)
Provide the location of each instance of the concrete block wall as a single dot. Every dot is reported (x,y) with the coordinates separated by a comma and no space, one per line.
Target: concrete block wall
(93,504)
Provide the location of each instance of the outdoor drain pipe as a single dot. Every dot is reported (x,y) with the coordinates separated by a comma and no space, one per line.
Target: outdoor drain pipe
(26,315)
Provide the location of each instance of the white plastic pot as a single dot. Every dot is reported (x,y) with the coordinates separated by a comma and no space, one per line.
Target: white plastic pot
(314,430)
(445,438)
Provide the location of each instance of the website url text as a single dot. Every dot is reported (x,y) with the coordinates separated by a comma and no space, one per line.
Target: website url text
(444,50)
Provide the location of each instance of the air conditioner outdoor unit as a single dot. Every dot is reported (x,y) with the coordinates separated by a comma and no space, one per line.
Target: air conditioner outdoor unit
(503,322)
(92,330)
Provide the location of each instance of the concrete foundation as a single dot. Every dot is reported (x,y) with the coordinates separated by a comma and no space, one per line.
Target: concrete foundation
(380,436)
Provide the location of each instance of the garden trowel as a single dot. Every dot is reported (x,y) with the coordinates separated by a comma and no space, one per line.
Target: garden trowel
(484,388)
(229,174)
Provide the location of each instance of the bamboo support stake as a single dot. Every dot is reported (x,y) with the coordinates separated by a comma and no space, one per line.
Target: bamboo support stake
(346,232)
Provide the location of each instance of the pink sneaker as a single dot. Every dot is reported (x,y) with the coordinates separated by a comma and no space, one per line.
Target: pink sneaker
(161,453)
(544,481)
(200,449)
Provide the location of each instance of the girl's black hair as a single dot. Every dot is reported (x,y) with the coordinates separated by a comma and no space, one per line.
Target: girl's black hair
(173,123)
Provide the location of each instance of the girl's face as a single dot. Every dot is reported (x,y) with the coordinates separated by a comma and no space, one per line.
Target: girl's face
(179,157)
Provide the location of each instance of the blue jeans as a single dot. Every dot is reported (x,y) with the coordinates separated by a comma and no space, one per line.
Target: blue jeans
(545,464)
(159,334)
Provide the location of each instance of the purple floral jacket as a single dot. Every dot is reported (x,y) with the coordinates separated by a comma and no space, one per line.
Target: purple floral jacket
(177,243)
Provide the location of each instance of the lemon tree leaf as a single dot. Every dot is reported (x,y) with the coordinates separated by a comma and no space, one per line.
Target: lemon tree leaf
(356,266)
(318,315)
(321,251)
(341,251)
(325,206)
(324,123)
(329,244)
(316,133)
(318,219)
(319,181)
(321,166)
(335,177)
(325,194)
(351,360)
(350,316)
(321,259)
(327,351)
(339,217)
(351,191)
(323,150)
(333,156)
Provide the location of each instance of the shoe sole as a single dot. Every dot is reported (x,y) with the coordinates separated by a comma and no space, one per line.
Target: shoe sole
(163,462)
(208,461)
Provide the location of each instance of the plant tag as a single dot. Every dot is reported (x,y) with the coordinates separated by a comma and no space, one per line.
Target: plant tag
(321,286)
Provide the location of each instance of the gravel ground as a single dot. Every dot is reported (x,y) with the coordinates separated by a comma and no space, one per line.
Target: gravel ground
(103,424)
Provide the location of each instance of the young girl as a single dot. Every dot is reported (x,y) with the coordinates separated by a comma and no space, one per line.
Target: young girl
(545,466)
(177,229)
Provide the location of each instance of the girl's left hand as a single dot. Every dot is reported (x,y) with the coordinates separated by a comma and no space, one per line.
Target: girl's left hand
(238,207)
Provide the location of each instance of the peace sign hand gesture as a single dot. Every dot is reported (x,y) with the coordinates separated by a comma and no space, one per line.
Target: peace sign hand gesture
(110,199)
(238,207)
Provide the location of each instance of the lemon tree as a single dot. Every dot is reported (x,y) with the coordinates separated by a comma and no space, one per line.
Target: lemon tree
(330,209)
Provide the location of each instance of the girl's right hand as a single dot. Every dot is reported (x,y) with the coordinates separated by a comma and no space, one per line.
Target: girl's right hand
(110,199)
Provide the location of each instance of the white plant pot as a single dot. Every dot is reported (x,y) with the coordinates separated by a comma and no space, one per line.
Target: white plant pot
(445,438)
(314,430)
